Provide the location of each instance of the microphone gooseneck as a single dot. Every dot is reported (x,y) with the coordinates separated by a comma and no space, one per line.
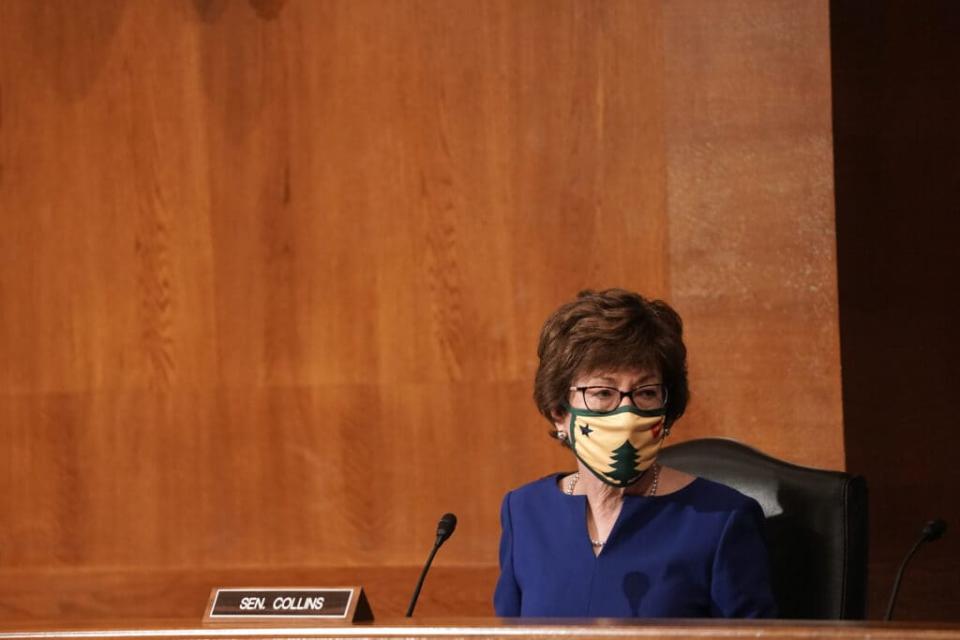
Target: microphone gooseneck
(445,529)
(933,530)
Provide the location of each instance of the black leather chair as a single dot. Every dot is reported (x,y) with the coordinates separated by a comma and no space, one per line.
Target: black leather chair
(816,524)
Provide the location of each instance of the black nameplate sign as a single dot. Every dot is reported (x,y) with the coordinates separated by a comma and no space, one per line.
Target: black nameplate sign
(343,604)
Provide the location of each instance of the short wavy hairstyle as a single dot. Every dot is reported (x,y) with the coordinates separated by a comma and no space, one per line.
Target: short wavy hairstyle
(607,331)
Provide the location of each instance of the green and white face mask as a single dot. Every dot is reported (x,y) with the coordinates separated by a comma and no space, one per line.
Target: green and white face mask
(618,447)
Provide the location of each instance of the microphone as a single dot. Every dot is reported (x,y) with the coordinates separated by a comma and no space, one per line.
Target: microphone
(446,526)
(444,530)
(933,530)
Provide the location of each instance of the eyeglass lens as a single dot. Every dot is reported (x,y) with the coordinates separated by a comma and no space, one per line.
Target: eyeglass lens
(600,399)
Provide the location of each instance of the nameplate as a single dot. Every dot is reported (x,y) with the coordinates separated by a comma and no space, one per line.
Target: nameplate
(315,604)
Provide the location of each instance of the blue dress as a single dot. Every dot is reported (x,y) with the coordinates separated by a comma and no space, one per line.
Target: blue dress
(697,552)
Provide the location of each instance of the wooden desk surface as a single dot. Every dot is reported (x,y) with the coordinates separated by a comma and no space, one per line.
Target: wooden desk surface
(491,628)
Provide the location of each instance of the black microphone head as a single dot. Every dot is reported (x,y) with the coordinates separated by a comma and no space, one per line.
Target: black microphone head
(934,529)
(445,527)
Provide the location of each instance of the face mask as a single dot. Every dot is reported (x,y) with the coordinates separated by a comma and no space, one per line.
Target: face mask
(619,446)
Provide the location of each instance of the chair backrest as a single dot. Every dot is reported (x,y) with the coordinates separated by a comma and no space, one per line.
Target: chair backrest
(816,524)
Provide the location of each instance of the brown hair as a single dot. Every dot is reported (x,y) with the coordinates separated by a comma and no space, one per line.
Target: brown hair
(611,329)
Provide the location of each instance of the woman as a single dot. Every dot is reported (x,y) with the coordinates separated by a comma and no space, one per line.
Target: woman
(623,535)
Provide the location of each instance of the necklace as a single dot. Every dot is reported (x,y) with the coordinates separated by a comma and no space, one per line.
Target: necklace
(652,491)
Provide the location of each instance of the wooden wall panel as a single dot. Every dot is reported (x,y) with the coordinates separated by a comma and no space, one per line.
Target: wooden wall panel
(751,222)
(273,271)
(898,195)
(68,597)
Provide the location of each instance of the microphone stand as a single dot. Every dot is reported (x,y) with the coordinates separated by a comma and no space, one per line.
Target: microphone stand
(423,574)
(445,529)
(931,531)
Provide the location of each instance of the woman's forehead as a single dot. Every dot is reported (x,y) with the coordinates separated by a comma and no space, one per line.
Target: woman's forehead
(617,377)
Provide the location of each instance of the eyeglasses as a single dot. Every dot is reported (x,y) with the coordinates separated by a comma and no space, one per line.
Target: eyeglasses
(606,399)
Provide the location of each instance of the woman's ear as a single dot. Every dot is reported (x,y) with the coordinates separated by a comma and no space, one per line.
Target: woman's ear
(560,419)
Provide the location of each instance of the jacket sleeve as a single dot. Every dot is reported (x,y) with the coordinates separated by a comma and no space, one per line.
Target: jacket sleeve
(506,598)
(740,586)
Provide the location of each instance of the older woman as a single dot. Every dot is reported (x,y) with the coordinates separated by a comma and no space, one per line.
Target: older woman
(623,535)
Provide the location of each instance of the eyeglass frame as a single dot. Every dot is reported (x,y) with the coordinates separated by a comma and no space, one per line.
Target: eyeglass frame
(623,394)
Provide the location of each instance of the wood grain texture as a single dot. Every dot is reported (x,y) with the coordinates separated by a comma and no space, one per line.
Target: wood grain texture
(75,597)
(897,149)
(273,271)
(498,628)
(751,222)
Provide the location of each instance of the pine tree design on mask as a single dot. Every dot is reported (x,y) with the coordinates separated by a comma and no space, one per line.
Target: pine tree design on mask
(624,463)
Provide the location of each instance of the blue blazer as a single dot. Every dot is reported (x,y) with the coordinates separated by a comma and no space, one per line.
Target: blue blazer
(697,552)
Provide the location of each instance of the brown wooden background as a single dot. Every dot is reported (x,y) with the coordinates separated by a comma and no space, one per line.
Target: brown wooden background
(272,272)
(897,133)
